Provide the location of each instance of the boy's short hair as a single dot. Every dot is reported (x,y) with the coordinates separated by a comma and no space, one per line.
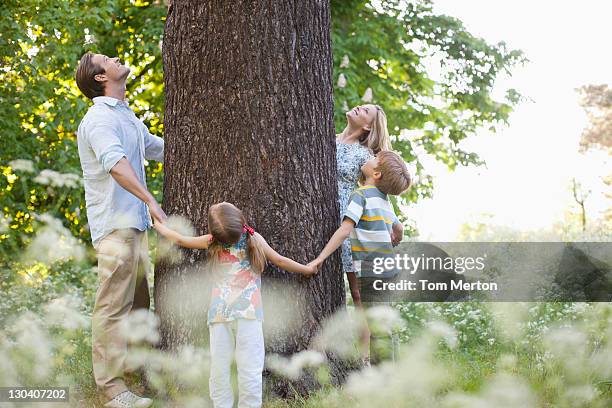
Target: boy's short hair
(85,77)
(394,176)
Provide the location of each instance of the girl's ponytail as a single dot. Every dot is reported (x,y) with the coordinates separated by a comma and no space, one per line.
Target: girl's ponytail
(257,257)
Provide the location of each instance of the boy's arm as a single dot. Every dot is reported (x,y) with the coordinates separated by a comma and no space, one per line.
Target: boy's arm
(335,241)
(283,262)
(398,233)
(201,242)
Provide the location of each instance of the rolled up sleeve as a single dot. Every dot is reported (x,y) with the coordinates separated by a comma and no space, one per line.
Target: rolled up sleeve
(154,147)
(104,140)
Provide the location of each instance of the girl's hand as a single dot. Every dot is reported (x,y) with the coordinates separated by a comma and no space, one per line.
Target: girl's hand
(312,270)
(161,228)
(315,264)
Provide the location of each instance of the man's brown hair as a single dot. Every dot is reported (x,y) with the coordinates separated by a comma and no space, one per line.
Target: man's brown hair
(394,176)
(85,77)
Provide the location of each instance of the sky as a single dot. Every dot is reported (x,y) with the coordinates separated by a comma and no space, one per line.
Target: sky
(531,162)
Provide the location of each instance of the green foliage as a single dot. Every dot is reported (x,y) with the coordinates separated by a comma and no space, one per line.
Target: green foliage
(41,107)
(392,47)
(27,287)
(389,46)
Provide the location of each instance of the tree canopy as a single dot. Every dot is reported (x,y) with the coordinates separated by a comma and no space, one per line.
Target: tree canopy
(433,78)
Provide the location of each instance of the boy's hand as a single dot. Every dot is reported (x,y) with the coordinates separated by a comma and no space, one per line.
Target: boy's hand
(395,239)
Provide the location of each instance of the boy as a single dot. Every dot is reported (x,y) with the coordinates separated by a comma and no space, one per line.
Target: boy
(369,218)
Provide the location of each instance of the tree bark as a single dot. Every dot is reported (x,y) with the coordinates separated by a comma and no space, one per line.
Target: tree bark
(248,120)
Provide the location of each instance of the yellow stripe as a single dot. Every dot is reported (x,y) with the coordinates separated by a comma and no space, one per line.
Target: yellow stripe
(362,249)
(376,218)
(366,187)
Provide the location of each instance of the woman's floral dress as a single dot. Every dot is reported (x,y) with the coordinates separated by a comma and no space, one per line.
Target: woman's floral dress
(350,158)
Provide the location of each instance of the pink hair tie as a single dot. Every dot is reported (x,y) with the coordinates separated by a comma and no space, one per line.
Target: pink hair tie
(246,228)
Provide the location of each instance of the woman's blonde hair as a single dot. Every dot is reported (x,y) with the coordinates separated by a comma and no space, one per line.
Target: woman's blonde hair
(226,224)
(377,139)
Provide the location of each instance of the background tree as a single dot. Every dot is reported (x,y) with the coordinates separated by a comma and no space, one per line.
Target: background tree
(433,78)
(597,102)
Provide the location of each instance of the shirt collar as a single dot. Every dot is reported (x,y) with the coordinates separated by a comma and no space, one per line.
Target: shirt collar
(109,100)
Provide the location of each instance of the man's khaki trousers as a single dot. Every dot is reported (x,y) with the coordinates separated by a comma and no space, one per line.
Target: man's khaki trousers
(123,263)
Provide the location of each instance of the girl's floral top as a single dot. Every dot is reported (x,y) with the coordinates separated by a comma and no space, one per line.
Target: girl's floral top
(237,293)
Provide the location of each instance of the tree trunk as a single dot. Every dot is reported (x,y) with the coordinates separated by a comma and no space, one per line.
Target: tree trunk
(248,120)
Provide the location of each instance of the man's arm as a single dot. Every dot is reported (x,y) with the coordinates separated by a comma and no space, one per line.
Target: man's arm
(125,176)
(154,147)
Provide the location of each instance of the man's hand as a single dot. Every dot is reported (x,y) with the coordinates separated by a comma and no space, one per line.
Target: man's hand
(157,213)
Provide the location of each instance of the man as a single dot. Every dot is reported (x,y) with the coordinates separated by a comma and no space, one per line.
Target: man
(113,145)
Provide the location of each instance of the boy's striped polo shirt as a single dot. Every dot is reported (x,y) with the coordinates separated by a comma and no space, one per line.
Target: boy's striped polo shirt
(374,217)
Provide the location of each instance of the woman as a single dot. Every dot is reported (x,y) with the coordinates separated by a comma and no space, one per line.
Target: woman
(365,134)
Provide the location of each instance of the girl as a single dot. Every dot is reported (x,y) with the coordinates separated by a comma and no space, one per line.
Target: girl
(237,255)
(365,135)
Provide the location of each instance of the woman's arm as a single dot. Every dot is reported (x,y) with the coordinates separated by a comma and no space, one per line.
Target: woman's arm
(284,262)
(201,242)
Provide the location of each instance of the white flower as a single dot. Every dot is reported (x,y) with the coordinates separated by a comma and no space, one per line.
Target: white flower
(345,61)
(32,350)
(340,334)
(341,81)
(53,242)
(4,224)
(444,331)
(26,166)
(367,95)
(168,250)
(55,179)
(384,319)
(141,326)
(193,364)
(292,367)
(503,391)
(566,342)
(65,312)
(89,38)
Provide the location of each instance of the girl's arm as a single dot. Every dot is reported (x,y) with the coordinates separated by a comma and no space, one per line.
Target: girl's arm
(201,242)
(335,241)
(284,262)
